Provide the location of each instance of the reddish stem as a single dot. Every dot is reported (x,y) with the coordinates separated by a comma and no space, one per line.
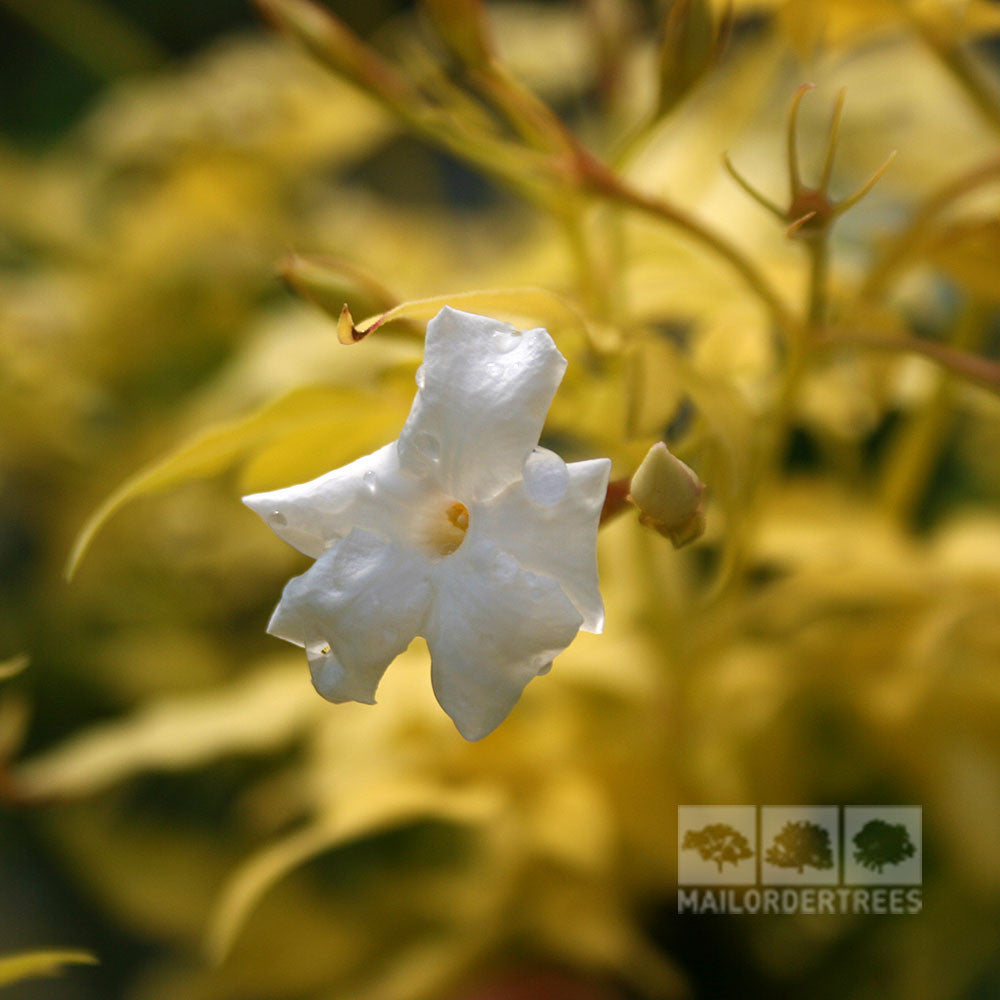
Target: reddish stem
(616,500)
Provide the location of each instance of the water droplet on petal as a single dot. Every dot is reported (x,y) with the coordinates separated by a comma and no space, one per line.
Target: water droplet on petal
(544,669)
(419,377)
(546,478)
(428,445)
(493,369)
(370,480)
(278,518)
(505,339)
(505,567)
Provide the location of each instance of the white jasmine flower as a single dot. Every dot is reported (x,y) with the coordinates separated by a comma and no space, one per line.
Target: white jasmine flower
(462,531)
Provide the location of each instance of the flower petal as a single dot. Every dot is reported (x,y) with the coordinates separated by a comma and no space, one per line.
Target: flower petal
(492,628)
(485,389)
(355,610)
(559,539)
(371,493)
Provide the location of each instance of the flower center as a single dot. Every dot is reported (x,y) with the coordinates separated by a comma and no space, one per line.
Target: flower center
(445,530)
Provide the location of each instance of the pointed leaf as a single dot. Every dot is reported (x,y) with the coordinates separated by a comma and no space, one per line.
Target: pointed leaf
(256,714)
(30,964)
(218,448)
(373,810)
(13,666)
(553,311)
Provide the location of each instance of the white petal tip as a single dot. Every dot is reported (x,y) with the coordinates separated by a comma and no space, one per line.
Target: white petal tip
(333,685)
(338,699)
(474,723)
(262,504)
(474,734)
(274,628)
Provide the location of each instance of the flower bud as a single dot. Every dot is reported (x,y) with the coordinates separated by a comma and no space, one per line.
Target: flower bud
(669,496)
(693,41)
(328,283)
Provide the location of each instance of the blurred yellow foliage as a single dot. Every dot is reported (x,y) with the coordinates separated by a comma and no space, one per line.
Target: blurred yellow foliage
(833,637)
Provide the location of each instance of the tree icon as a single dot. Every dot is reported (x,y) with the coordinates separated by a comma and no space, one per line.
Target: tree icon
(718,842)
(799,844)
(879,843)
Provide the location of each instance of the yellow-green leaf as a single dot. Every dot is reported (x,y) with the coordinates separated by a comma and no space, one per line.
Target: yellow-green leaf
(30,964)
(13,666)
(372,810)
(257,714)
(516,304)
(968,252)
(218,448)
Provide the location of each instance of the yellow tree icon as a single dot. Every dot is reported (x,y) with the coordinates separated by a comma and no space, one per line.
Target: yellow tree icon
(718,842)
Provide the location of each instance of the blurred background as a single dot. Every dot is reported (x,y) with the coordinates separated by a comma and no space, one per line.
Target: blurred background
(174,797)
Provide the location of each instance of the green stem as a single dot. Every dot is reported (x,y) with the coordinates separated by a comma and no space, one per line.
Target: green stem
(605,184)
(972,367)
(819,280)
(914,453)
(590,286)
(801,343)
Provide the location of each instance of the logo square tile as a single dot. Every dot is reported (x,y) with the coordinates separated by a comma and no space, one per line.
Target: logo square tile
(883,845)
(716,845)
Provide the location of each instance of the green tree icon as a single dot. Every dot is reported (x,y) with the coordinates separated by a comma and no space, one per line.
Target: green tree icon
(801,843)
(879,843)
(718,842)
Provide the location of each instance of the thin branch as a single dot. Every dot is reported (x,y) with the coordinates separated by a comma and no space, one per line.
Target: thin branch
(982,371)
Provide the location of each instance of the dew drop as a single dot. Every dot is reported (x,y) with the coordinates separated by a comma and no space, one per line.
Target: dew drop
(278,518)
(546,478)
(370,481)
(544,669)
(493,369)
(505,567)
(505,339)
(428,445)
(419,377)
